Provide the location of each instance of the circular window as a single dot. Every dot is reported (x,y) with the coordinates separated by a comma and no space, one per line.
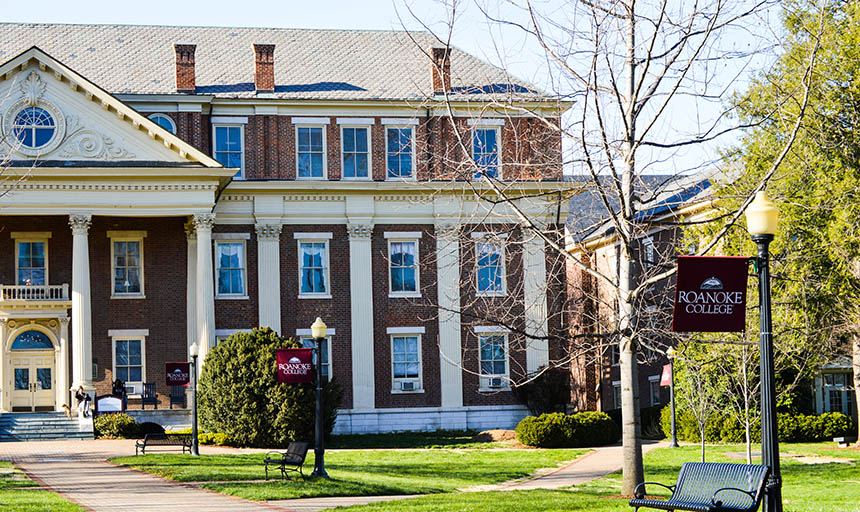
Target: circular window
(34,127)
(164,122)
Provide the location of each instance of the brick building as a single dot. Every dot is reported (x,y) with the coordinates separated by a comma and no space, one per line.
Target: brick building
(166,185)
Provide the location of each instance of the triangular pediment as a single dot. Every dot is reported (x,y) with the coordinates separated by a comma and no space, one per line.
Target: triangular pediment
(50,113)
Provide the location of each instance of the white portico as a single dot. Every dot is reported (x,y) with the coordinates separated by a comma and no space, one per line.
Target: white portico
(78,153)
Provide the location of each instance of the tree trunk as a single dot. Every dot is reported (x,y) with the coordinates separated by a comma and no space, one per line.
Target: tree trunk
(856,364)
(702,439)
(633,471)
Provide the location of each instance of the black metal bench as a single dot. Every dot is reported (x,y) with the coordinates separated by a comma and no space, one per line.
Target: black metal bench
(294,457)
(710,487)
(170,440)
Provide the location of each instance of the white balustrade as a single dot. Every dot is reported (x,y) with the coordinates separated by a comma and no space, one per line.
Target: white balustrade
(10,292)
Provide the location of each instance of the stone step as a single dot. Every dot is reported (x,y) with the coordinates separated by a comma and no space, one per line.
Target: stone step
(43,426)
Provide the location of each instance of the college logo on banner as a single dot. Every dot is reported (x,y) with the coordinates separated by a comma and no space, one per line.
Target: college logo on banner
(711,294)
(666,376)
(178,374)
(295,365)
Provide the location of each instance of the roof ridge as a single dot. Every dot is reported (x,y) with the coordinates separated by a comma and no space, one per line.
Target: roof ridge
(151,25)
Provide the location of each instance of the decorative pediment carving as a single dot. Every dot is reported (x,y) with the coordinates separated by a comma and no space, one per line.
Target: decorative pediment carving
(83,142)
(33,88)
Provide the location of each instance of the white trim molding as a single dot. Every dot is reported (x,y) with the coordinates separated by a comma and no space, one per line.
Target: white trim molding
(114,333)
(329,331)
(231,236)
(310,120)
(486,122)
(402,121)
(483,329)
(229,120)
(358,121)
(313,236)
(405,235)
(405,330)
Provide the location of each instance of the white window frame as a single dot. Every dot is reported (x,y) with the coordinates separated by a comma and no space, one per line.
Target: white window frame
(323,129)
(309,338)
(158,115)
(401,237)
(314,238)
(411,128)
(130,335)
(616,394)
(347,125)
(231,240)
(223,334)
(29,237)
(654,389)
(484,379)
(126,236)
(498,131)
(499,242)
(406,332)
(241,127)
(648,255)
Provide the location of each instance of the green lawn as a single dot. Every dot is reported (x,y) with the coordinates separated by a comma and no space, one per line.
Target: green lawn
(19,493)
(827,487)
(355,472)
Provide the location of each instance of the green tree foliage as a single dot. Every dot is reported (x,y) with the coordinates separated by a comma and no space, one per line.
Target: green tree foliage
(816,254)
(241,398)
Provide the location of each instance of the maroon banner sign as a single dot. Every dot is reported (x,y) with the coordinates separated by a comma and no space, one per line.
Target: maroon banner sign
(295,365)
(711,294)
(178,373)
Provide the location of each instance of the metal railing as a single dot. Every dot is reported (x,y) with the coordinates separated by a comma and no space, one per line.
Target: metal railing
(12,292)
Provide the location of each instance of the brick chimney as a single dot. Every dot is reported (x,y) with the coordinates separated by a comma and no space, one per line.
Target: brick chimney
(185,67)
(440,69)
(264,67)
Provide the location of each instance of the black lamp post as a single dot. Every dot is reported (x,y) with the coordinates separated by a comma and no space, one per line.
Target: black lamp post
(318,332)
(194,350)
(761,224)
(670,354)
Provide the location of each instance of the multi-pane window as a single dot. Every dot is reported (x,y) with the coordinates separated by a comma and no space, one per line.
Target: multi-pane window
(616,395)
(310,151)
(356,153)
(34,127)
(485,151)
(164,121)
(399,152)
(32,263)
(654,389)
(648,255)
(127,267)
(230,268)
(838,393)
(403,264)
(406,360)
(326,355)
(490,268)
(313,267)
(493,359)
(228,147)
(128,360)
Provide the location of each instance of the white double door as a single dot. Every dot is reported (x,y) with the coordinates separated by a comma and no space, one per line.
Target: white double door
(33,381)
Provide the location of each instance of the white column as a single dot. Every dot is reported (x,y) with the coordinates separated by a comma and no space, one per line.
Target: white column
(82,336)
(205,285)
(191,286)
(62,367)
(450,334)
(534,295)
(269,275)
(361,305)
(5,364)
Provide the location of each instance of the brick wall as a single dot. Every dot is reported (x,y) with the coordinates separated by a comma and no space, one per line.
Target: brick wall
(530,149)
(162,311)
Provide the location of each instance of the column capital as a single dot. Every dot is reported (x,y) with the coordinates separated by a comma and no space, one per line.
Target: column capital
(268,231)
(203,221)
(64,321)
(80,223)
(359,231)
(190,231)
(448,230)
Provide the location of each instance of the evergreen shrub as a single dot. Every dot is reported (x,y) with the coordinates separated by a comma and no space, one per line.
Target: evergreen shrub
(240,398)
(557,430)
(115,426)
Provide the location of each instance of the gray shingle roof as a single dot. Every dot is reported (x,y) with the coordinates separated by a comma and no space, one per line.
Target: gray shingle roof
(309,63)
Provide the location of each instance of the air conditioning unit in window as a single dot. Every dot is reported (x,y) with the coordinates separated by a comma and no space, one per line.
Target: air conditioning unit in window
(496,382)
(407,385)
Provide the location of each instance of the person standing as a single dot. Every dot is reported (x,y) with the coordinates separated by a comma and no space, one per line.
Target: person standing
(83,401)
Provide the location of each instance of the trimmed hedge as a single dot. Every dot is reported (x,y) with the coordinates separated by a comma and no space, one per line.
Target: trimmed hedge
(557,430)
(115,426)
(792,428)
(210,438)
